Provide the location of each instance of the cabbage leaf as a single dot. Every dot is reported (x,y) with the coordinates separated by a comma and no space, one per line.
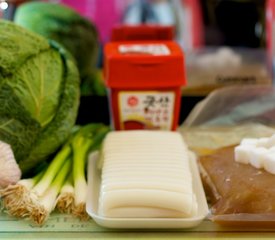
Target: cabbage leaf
(39,94)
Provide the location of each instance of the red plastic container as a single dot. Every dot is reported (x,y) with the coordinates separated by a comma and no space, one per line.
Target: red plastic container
(142,32)
(144,81)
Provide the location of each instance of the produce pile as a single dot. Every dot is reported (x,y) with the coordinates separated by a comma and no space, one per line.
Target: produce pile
(43,153)
(61,185)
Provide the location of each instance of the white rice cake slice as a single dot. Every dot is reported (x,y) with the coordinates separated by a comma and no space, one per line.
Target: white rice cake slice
(146,174)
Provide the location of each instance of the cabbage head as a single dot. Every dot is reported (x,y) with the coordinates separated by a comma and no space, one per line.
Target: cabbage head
(65,26)
(39,94)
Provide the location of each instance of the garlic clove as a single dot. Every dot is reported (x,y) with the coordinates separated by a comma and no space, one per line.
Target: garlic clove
(10,172)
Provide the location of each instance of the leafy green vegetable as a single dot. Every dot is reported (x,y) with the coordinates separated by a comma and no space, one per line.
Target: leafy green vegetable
(64,25)
(89,138)
(93,84)
(62,184)
(39,94)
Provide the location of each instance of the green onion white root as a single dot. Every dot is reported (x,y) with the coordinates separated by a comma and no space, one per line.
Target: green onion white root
(65,200)
(17,198)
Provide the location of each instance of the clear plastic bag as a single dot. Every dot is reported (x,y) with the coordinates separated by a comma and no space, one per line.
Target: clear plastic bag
(235,105)
(240,194)
(211,68)
(228,115)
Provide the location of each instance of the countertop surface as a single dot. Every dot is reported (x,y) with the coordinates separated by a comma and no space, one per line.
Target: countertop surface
(67,227)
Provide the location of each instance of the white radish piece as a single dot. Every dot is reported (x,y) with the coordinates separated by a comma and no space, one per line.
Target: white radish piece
(269,163)
(257,156)
(242,153)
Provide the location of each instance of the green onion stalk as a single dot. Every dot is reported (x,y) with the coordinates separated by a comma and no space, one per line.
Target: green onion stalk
(62,185)
(88,139)
(65,200)
(47,189)
(52,170)
(48,200)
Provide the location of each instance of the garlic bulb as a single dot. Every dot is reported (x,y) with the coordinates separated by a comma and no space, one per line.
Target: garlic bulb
(10,172)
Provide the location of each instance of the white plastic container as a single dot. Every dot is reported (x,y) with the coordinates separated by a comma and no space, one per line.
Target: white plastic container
(94,181)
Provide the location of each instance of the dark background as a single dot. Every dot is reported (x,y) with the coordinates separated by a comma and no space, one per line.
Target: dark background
(234,22)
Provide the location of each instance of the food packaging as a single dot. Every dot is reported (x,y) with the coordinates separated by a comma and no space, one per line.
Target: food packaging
(229,114)
(94,182)
(211,68)
(214,127)
(142,32)
(240,194)
(235,105)
(144,79)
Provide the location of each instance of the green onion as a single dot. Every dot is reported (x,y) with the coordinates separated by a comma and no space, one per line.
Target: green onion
(62,185)
(87,139)
(48,200)
(52,170)
(65,200)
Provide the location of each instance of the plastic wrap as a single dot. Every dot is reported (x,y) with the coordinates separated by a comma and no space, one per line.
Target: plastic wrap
(239,194)
(211,68)
(235,105)
(228,115)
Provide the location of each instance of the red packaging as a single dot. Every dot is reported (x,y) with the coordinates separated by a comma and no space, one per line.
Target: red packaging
(144,81)
(142,32)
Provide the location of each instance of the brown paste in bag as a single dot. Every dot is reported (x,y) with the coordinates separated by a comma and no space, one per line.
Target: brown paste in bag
(235,188)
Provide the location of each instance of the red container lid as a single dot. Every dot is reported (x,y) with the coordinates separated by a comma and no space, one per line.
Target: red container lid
(142,32)
(137,65)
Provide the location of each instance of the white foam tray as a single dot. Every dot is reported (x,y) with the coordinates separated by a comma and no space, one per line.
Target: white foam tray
(94,181)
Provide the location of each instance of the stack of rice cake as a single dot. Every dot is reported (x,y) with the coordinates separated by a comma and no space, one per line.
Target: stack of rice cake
(146,174)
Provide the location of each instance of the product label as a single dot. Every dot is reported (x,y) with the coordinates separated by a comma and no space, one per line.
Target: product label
(151,49)
(146,109)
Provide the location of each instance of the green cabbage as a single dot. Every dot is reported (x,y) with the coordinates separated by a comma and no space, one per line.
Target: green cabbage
(64,25)
(39,94)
